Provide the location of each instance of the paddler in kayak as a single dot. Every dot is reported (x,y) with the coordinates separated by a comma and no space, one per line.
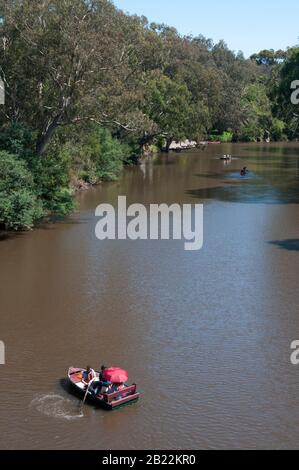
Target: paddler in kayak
(244,171)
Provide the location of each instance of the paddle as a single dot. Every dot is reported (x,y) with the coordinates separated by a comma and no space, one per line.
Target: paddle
(86,393)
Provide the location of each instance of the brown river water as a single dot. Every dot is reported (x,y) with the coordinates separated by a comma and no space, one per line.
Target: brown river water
(205,334)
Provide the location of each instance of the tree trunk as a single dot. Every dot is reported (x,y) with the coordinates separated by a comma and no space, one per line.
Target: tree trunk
(168,144)
(45,137)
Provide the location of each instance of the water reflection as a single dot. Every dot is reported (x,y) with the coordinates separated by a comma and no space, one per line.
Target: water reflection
(290,245)
(249,194)
(284,149)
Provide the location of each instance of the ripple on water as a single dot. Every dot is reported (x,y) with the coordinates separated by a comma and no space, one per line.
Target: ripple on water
(248,177)
(56,406)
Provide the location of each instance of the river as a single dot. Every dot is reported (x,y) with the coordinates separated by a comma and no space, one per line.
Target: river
(205,334)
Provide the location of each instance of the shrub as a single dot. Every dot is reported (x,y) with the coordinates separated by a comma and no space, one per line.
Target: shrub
(225,137)
(278,130)
(19,205)
(17,139)
(52,178)
(94,154)
(106,153)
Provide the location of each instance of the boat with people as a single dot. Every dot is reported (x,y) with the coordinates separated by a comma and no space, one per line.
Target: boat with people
(226,157)
(107,389)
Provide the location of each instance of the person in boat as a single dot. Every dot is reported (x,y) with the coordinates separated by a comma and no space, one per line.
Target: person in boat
(244,171)
(119,387)
(103,368)
(111,388)
(97,387)
(88,376)
(106,387)
(101,389)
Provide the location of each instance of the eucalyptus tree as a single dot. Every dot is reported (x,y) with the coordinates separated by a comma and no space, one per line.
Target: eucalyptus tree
(68,61)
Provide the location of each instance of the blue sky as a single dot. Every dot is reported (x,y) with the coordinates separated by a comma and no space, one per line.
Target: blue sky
(247,25)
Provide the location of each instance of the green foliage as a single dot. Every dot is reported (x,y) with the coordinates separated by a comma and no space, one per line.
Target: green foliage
(106,153)
(154,149)
(94,154)
(52,179)
(257,116)
(169,105)
(250,133)
(225,137)
(49,177)
(269,57)
(278,129)
(19,205)
(17,139)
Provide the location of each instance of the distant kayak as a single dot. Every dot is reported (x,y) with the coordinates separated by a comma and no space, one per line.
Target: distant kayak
(244,171)
(109,401)
(226,157)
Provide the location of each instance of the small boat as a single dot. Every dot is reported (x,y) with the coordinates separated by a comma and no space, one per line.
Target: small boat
(214,142)
(107,401)
(226,157)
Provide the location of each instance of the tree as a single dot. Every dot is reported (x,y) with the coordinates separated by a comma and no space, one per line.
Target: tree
(94,154)
(257,116)
(169,105)
(269,57)
(67,61)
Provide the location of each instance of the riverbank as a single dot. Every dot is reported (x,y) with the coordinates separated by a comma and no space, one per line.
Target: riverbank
(31,194)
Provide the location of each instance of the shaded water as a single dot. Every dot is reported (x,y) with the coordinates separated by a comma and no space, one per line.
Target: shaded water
(206,335)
